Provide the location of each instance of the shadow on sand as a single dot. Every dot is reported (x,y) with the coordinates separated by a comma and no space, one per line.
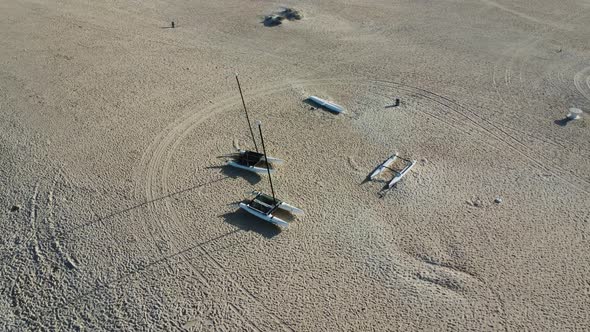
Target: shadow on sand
(116,213)
(134,273)
(563,122)
(249,223)
(233,172)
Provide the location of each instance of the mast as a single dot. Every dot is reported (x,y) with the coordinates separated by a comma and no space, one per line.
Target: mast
(246,111)
(266,160)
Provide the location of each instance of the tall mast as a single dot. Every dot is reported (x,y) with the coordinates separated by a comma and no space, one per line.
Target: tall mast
(266,160)
(246,111)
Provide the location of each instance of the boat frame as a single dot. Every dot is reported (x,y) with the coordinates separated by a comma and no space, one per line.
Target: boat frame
(398,174)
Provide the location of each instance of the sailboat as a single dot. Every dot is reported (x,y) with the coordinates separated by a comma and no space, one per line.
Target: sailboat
(252,161)
(265,206)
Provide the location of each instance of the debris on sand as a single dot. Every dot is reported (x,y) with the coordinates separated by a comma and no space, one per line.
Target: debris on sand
(273,20)
(475,202)
(15,208)
(289,14)
(498,200)
(70,263)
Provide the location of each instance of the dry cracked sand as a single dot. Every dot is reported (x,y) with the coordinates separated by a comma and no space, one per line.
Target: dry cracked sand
(117,214)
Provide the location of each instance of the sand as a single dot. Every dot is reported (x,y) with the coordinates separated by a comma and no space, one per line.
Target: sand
(117,214)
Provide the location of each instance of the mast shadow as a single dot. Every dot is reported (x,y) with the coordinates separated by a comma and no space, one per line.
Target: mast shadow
(137,206)
(136,273)
(368,177)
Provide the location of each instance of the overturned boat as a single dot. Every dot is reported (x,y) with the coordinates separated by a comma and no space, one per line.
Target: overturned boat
(327,105)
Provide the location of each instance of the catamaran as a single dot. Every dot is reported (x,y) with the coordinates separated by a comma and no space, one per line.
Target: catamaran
(395,164)
(265,206)
(252,161)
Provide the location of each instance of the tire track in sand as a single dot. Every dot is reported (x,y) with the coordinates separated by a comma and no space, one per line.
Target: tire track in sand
(582,82)
(542,22)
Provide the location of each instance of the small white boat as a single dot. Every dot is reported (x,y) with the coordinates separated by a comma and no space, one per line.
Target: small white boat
(252,161)
(396,165)
(326,104)
(263,206)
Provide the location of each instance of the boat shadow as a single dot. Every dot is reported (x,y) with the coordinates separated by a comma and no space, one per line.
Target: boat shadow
(562,122)
(368,177)
(106,218)
(233,172)
(247,222)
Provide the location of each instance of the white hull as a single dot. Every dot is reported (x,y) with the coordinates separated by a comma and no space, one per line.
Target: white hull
(249,168)
(268,218)
(399,176)
(331,106)
(383,166)
(290,208)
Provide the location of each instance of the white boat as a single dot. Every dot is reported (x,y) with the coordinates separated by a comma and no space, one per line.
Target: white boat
(252,161)
(396,165)
(263,206)
(326,104)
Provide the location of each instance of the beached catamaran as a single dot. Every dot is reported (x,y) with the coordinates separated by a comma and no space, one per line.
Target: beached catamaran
(252,161)
(263,205)
(395,164)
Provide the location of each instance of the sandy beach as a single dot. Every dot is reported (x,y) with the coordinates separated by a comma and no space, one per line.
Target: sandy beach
(118,214)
